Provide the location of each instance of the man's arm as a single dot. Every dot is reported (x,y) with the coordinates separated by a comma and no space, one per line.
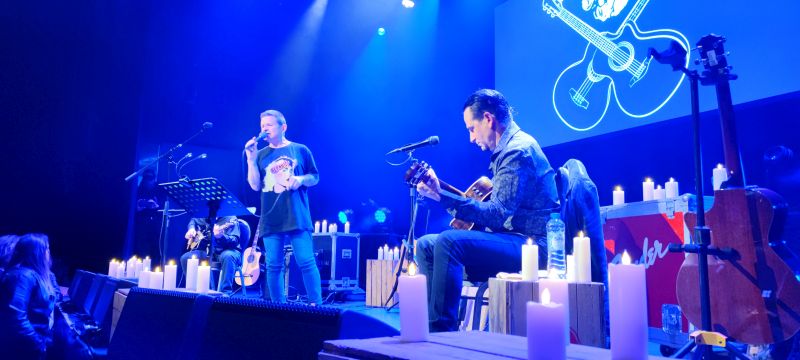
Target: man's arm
(253,174)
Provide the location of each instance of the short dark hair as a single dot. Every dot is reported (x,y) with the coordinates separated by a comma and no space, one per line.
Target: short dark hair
(492,101)
(276,114)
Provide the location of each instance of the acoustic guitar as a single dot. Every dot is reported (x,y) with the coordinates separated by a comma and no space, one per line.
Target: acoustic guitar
(480,190)
(754,296)
(201,237)
(250,265)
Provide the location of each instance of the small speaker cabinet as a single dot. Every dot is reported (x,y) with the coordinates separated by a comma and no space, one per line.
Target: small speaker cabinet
(337,257)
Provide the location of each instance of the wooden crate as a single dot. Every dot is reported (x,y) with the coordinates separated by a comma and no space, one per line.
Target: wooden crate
(507,309)
(380,281)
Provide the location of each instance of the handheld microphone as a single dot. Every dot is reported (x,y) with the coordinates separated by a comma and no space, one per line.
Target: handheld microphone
(433,140)
(208,125)
(263,135)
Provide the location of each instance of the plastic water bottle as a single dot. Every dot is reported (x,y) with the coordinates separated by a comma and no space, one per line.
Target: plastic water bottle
(556,261)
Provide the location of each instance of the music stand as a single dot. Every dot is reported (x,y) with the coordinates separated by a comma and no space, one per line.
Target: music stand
(206,198)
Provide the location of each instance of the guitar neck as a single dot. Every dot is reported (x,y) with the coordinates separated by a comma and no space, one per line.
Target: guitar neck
(587,32)
(450,188)
(637,10)
(730,143)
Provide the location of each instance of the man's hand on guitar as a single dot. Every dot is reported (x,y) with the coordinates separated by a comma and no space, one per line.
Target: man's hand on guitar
(429,188)
(190,234)
(218,231)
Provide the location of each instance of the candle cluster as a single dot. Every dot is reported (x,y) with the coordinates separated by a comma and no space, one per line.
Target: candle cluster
(136,268)
(650,191)
(325,228)
(385,253)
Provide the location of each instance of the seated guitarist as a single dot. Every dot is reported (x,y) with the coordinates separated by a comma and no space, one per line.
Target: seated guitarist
(226,250)
(523,196)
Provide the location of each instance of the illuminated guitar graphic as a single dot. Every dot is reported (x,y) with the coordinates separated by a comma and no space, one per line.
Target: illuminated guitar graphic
(613,65)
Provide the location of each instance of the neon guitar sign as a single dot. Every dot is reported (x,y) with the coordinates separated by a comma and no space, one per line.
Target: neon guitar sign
(614,65)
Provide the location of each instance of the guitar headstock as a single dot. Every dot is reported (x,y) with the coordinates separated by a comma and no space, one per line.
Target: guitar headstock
(417,173)
(552,7)
(713,57)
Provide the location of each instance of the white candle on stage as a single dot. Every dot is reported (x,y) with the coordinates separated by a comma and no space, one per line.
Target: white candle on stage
(325,226)
(170,275)
(146,264)
(627,298)
(380,253)
(647,189)
(346,227)
(203,278)
(659,193)
(120,270)
(559,293)
(718,176)
(112,268)
(413,293)
(331,228)
(530,261)
(396,253)
(144,279)
(581,249)
(619,196)
(316,227)
(191,273)
(139,268)
(672,189)
(571,268)
(130,269)
(387,253)
(545,321)
(157,279)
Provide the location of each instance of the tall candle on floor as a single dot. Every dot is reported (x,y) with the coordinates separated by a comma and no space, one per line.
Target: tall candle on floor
(316,227)
(144,279)
(619,196)
(647,189)
(203,278)
(413,293)
(170,275)
(146,264)
(530,261)
(112,268)
(659,193)
(139,268)
(559,293)
(121,270)
(380,253)
(545,321)
(718,176)
(672,188)
(581,249)
(191,273)
(156,279)
(627,295)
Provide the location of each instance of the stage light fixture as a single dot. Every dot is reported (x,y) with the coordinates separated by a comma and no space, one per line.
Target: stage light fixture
(408,4)
(345,215)
(381,31)
(381,215)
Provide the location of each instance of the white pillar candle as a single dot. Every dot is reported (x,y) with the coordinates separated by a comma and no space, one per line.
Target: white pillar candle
(139,268)
(627,295)
(144,279)
(146,264)
(647,189)
(325,226)
(170,275)
(672,189)
(571,268)
(530,261)
(581,249)
(203,278)
(347,227)
(396,253)
(659,193)
(413,294)
(130,268)
(157,279)
(380,253)
(316,227)
(718,176)
(545,321)
(120,270)
(559,293)
(191,273)
(112,268)
(619,196)
(387,253)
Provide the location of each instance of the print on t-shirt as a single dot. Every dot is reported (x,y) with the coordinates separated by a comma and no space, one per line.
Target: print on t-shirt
(278,173)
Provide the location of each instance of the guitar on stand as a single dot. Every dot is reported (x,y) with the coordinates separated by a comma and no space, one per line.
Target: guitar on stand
(746,291)
(250,265)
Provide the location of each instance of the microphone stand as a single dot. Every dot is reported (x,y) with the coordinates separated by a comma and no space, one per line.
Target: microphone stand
(162,241)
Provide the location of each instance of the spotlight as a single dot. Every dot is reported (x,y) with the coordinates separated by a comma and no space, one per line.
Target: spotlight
(381,215)
(381,31)
(408,4)
(345,215)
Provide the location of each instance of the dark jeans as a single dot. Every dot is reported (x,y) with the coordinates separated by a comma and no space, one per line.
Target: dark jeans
(303,250)
(443,258)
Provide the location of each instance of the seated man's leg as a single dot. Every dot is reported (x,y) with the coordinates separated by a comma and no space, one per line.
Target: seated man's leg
(483,254)
(229,260)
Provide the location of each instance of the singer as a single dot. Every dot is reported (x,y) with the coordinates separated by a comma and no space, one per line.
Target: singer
(283,171)
(523,196)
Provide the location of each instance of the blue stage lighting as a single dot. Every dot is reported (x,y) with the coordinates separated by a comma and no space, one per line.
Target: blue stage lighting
(345,215)
(380,215)
(381,31)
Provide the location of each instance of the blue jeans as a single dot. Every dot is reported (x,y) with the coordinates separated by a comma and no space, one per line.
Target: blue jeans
(443,258)
(229,261)
(303,249)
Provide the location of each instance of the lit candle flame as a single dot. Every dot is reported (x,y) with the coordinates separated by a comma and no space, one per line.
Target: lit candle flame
(618,188)
(158,268)
(530,241)
(580,234)
(719,166)
(545,297)
(626,259)
(658,187)
(671,180)
(172,262)
(194,256)
(147,257)
(648,180)
(412,269)
(205,263)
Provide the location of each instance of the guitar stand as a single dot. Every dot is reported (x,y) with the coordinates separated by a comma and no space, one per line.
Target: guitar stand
(709,339)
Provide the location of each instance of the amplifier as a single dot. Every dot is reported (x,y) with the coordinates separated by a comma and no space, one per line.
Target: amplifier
(337,257)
